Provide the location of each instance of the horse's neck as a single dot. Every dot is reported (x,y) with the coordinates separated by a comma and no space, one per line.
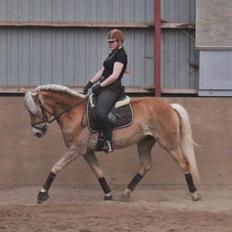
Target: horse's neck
(62,102)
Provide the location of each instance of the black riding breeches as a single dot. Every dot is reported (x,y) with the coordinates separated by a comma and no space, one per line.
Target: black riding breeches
(105,101)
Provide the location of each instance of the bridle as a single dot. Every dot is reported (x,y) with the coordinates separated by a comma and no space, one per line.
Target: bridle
(45,119)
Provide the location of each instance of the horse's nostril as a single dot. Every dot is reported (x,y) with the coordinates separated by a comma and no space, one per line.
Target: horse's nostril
(38,134)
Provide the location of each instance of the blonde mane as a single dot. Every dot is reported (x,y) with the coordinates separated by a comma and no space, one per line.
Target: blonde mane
(61,88)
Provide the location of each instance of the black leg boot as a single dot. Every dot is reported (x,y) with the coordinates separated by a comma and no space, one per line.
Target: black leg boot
(100,142)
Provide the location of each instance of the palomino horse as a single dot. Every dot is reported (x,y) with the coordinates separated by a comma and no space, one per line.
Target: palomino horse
(154,121)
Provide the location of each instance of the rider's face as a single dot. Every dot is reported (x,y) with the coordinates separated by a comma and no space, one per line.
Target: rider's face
(113,44)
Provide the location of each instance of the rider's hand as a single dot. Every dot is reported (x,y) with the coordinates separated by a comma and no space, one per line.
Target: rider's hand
(87,87)
(96,89)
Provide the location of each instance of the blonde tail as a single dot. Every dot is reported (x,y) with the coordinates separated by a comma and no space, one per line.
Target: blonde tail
(186,140)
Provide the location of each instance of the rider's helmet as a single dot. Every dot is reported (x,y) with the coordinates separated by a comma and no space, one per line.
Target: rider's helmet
(115,34)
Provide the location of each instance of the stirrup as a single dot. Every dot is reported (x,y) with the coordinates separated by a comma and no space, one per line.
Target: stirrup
(104,145)
(107,146)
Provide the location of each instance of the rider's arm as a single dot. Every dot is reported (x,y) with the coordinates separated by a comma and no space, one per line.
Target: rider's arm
(114,76)
(97,76)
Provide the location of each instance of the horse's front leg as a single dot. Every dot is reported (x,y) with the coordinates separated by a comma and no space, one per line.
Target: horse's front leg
(70,155)
(94,165)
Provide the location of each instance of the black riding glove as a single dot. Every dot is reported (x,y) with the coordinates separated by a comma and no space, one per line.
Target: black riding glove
(96,89)
(87,87)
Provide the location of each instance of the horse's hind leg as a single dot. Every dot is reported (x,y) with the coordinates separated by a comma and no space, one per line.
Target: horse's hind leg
(144,149)
(181,160)
(94,165)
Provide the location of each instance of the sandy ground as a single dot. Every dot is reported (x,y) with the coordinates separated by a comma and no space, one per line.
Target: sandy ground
(159,209)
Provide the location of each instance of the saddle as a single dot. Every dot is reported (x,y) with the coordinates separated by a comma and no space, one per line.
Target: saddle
(120,116)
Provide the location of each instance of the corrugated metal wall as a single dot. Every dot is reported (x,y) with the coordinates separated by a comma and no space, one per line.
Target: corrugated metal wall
(95,10)
(179,57)
(31,56)
(70,56)
(77,10)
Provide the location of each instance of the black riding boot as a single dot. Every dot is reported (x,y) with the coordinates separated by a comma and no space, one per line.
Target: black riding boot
(100,142)
(103,144)
(107,131)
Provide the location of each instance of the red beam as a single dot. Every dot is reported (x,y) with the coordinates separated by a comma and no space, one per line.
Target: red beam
(157,47)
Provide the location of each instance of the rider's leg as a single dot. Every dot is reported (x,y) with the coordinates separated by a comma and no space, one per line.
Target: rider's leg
(105,101)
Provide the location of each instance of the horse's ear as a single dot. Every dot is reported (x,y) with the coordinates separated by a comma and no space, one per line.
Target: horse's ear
(23,91)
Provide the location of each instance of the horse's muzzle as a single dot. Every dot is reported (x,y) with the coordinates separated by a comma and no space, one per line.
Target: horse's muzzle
(40,130)
(38,134)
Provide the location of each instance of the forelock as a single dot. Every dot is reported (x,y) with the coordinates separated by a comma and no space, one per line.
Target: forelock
(30,103)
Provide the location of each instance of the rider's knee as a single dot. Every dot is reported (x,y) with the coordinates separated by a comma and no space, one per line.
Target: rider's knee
(101,115)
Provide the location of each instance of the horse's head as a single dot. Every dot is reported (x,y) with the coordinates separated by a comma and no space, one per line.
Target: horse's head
(38,113)
(47,103)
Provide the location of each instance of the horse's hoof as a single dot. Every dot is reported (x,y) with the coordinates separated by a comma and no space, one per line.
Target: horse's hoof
(196,196)
(125,197)
(108,198)
(42,196)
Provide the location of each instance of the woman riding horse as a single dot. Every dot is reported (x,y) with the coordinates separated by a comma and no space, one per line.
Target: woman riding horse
(110,88)
(155,121)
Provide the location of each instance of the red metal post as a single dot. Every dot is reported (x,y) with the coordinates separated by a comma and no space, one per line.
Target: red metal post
(157,47)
